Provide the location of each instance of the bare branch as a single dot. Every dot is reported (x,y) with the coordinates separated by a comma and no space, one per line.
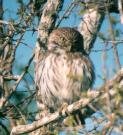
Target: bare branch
(23,73)
(115,51)
(47,22)
(90,25)
(11,77)
(120,7)
(51,118)
(67,12)
(93,18)
(93,96)
(48,18)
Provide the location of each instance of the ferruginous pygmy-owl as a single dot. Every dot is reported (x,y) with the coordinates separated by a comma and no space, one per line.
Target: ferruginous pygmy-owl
(65,71)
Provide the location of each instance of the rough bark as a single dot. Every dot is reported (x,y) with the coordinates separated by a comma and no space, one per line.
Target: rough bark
(90,24)
(92,96)
(89,28)
(93,17)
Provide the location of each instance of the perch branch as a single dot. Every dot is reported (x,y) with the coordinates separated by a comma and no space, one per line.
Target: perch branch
(92,96)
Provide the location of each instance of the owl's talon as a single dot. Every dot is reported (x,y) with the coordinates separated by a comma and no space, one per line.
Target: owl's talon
(63,109)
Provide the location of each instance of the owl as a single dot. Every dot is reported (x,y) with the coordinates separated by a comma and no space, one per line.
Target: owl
(65,71)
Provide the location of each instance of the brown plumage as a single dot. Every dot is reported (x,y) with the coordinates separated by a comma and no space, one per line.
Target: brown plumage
(65,70)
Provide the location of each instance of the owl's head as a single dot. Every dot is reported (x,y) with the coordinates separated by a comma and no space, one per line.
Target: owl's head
(66,38)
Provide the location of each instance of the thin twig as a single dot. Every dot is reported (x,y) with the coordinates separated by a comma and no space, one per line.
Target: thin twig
(23,73)
(11,77)
(117,61)
(67,12)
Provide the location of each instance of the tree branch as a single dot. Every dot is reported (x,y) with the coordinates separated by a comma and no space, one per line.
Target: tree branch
(120,7)
(23,73)
(93,96)
(93,18)
(91,23)
(47,23)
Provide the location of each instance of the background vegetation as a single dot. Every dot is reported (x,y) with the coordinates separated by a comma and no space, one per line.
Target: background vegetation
(19,23)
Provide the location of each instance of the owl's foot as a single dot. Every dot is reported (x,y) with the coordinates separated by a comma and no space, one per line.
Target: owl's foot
(42,114)
(63,109)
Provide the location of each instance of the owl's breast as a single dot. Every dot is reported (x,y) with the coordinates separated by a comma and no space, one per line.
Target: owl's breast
(62,78)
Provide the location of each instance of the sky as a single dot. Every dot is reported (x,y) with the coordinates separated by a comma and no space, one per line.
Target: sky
(24,53)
